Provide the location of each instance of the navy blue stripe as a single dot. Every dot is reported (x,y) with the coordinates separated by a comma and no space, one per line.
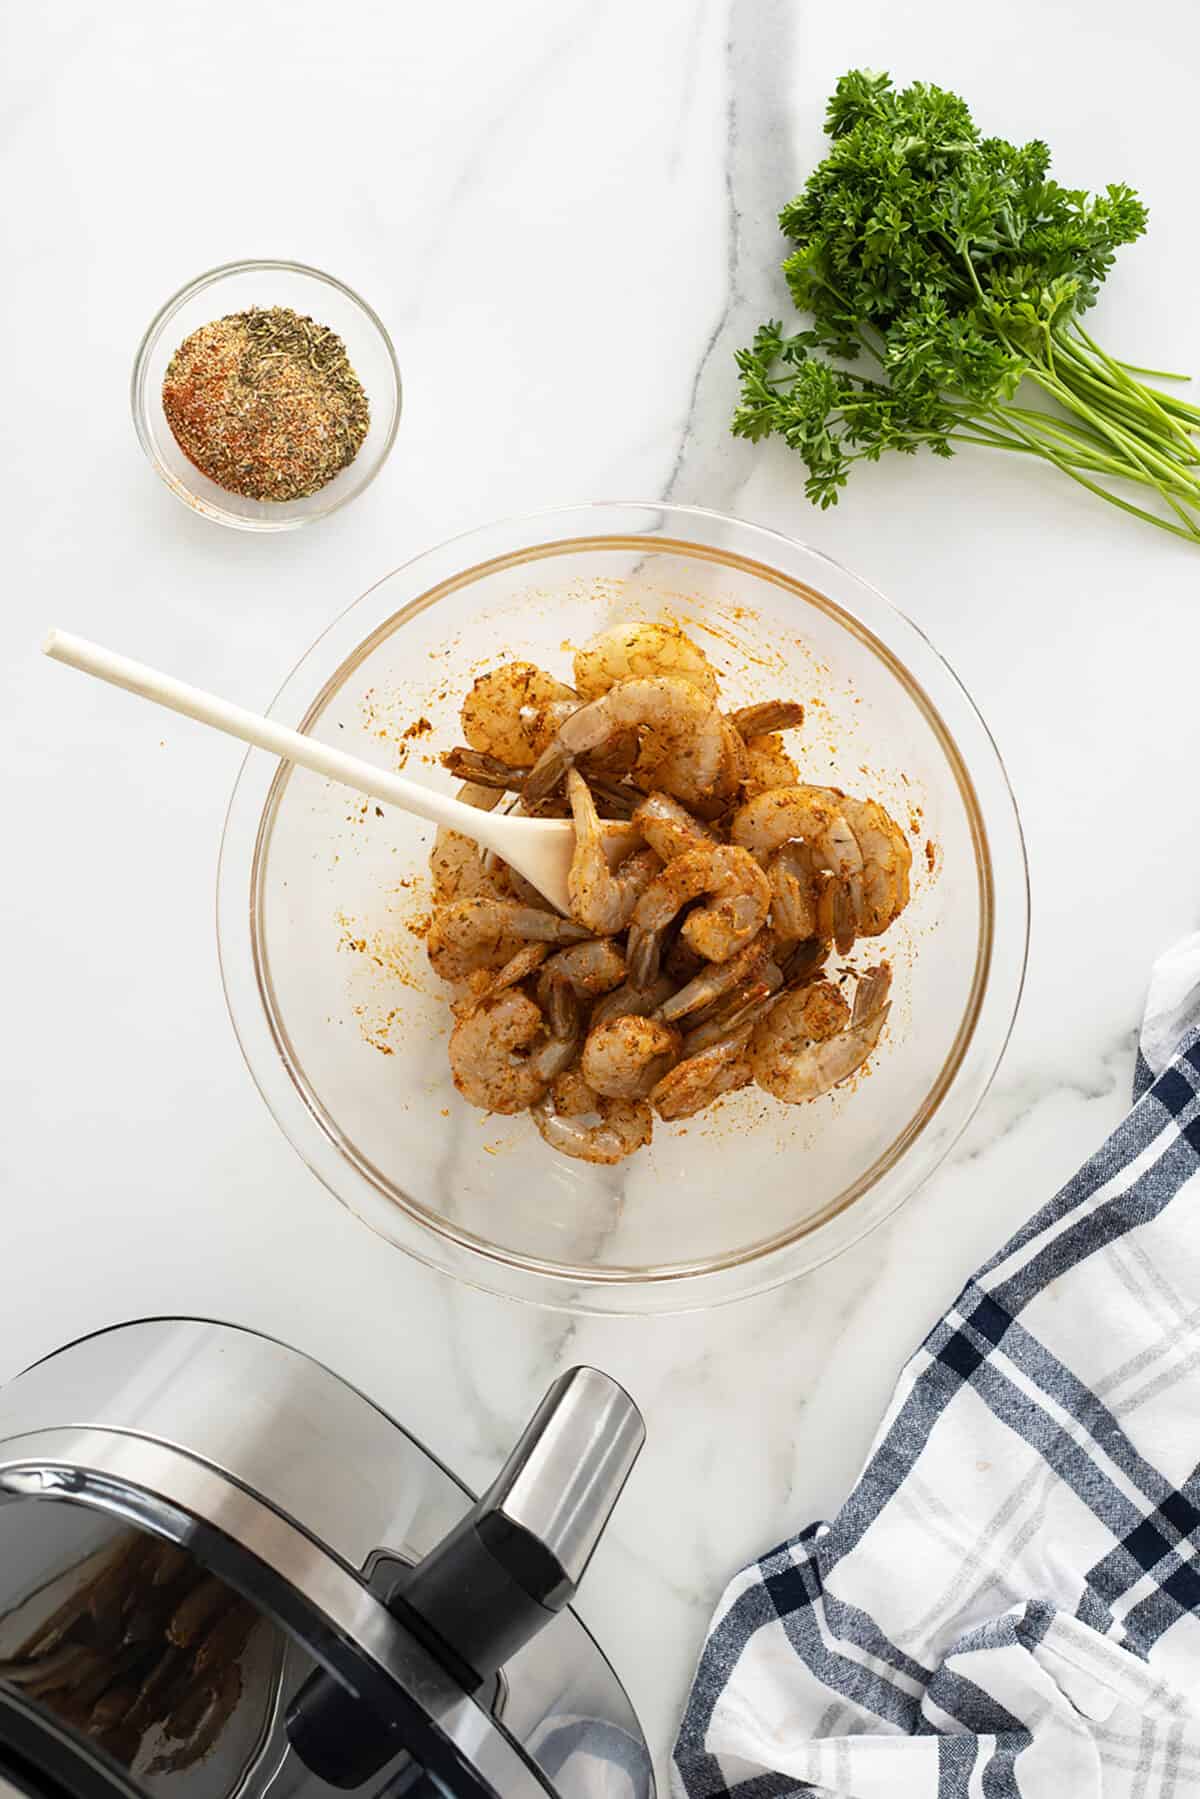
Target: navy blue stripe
(848,1622)
(1069,1460)
(1062,1384)
(1137,1205)
(894,1457)
(699,1771)
(1121,1149)
(852,1625)
(1153,1616)
(956,1760)
(797,1595)
(978,1711)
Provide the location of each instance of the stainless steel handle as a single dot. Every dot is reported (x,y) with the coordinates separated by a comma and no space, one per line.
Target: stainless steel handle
(566,1473)
(503,1572)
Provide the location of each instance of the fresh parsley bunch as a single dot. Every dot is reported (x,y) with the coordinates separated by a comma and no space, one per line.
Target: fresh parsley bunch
(959,266)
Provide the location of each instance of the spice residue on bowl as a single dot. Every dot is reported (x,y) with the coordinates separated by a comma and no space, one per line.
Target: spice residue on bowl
(266,404)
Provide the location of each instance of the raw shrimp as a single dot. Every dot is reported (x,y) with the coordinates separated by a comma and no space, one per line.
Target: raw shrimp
(744,1007)
(601,897)
(562,1114)
(887,859)
(485,771)
(564,1016)
(811,815)
(695,1083)
(481,983)
(680,960)
(626,652)
(767,715)
(456,862)
(807,900)
(811,1040)
(591,968)
(624,1058)
(503,1057)
(698,850)
(684,734)
(737,909)
(572,1095)
(617,799)
(794,895)
(484,933)
(628,1001)
(717,980)
(800,961)
(674,772)
(669,828)
(504,715)
(767,765)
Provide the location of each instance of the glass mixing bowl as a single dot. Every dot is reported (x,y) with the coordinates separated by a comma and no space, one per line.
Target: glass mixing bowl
(323,895)
(235,287)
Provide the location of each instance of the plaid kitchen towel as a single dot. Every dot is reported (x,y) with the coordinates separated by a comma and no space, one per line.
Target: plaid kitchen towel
(1009,1601)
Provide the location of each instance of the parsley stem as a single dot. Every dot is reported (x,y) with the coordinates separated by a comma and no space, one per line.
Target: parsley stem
(1083,452)
(1127,395)
(1121,439)
(1145,395)
(1135,368)
(1192,532)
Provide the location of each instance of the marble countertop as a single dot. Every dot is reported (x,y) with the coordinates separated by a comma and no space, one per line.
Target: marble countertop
(564,212)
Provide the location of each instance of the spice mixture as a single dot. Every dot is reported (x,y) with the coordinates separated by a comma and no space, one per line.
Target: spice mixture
(265,403)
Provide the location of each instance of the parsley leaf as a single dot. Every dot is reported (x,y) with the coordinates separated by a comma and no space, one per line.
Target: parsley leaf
(961,270)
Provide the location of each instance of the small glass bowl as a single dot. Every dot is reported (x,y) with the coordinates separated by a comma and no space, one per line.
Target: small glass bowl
(323,900)
(236,287)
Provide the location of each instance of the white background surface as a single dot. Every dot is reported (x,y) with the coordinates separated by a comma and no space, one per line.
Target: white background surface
(564,213)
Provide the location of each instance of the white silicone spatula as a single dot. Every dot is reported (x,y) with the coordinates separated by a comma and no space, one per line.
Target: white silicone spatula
(538,848)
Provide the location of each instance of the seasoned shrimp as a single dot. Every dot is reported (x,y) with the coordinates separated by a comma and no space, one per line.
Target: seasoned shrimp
(564,1019)
(617,798)
(680,960)
(744,1007)
(624,1059)
(485,771)
(887,859)
(591,968)
(684,734)
(504,715)
(811,1040)
(627,652)
(767,716)
(767,765)
(628,1001)
(806,899)
(601,897)
(492,1053)
(702,909)
(695,1083)
(481,983)
(811,815)
(800,961)
(740,896)
(669,828)
(674,773)
(620,1127)
(456,862)
(717,980)
(484,933)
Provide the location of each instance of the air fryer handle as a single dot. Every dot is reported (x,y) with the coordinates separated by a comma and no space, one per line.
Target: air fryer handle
(519,1555)
(503,1572)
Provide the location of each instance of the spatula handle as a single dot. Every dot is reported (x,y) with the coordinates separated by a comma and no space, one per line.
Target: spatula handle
(263,733)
